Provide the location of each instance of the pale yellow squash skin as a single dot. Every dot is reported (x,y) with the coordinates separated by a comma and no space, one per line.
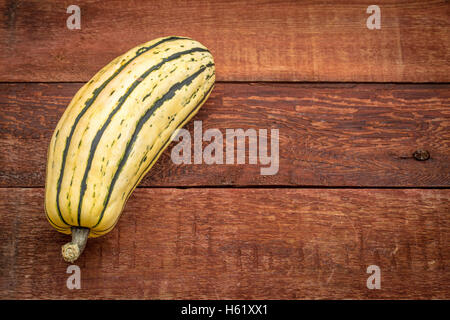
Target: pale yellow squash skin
(150,141)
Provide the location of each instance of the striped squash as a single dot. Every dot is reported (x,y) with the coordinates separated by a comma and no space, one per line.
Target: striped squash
(114,130)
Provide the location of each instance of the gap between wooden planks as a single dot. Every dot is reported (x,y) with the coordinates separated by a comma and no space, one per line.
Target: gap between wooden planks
(237,244)
(330,135)
(250,41)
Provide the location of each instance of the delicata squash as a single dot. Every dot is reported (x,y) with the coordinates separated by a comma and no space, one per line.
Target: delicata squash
(114,130)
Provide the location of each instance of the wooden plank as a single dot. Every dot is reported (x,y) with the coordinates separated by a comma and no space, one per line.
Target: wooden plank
(238,244)
(250,40)
(329,134)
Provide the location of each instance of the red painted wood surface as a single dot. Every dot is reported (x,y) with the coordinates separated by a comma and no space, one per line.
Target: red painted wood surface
(238,244)
(329,134)
(250,40)
(348,193)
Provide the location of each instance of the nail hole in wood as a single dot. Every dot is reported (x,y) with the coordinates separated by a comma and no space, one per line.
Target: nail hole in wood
(421,155)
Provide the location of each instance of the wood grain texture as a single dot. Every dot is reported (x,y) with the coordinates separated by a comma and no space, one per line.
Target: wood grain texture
(250,40)
(238,244)
(330,134)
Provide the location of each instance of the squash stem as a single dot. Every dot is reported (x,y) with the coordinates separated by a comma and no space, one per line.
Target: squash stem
(72,250)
